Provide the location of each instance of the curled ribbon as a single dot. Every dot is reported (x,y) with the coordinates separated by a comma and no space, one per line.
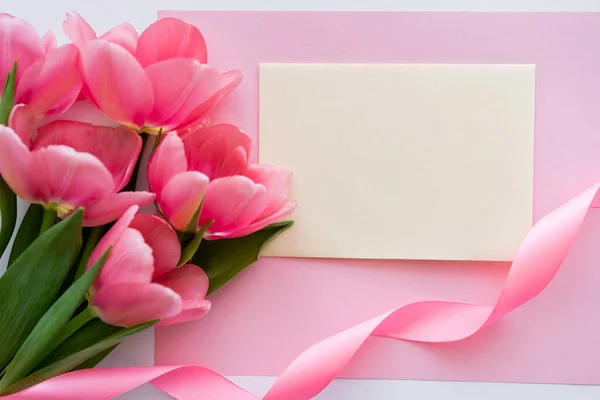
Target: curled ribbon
(537,261)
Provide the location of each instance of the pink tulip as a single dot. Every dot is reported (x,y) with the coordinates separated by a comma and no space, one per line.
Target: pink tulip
(139,281)
(207,153)
(74,164)
(165,85)
(218,151)
(240,205)
(51,84)
(48,79)
(210,168)
(47,88)
(20,43)
(80,32)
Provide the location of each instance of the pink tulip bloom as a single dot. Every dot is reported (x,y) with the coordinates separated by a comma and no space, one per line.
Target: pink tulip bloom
(74,164)
(80,32)
(52,84)
(240,205)
(20,43)
(166,84)
(218,150)
(48,78)
(210,168)
(47,88)
(139,281)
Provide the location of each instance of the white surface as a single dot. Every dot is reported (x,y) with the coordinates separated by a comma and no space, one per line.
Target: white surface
(48,14)
(438,157)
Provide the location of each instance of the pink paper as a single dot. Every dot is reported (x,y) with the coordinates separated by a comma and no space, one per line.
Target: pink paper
(554,338)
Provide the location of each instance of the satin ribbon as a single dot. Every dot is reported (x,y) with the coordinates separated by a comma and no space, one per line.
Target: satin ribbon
(537,261)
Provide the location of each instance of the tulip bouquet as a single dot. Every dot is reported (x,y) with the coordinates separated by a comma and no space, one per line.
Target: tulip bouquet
(82,126)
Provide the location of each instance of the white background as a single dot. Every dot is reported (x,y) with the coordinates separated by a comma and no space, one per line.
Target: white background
(104,14)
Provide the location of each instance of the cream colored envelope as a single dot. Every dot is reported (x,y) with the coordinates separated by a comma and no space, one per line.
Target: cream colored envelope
(402,161)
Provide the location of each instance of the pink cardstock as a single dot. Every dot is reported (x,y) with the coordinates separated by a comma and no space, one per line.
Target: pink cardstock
(278,307)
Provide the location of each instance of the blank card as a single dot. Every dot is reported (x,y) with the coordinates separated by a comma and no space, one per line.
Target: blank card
(400,161)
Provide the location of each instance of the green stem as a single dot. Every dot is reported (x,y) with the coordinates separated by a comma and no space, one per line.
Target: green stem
(94,237)
(49,220)
(73,326)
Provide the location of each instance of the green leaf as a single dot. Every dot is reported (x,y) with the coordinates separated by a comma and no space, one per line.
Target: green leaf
(32,284)
(8,215)
(192,247)
(28,231)
(88,335)
(8,200)
(76,323)
(8,96)
(41,339)
(95,234)
(69,363)
(95,360)
(224,258)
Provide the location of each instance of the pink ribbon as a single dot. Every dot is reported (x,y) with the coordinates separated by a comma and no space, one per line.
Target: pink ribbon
(535,264)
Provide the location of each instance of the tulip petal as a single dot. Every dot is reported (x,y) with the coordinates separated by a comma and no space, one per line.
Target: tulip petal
(278,182)
(84,111)
(163,240)
(80,32)
(21,43)
(124,35)
(181,197)
(117,82)
(67,177)
(286,209)
(86,94)
(232,203)
(131,304)
(228,82)
(191,284)
(77,29)
(189,281)
(113,206)
(130,261)
(15,164)
(218,151)
(167,161)
(117,148)
(118,151)
(113,235)
(51,85)
(170,38)
(180,86)
(198,311)
(235,162)
(49,40)
(23,122)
